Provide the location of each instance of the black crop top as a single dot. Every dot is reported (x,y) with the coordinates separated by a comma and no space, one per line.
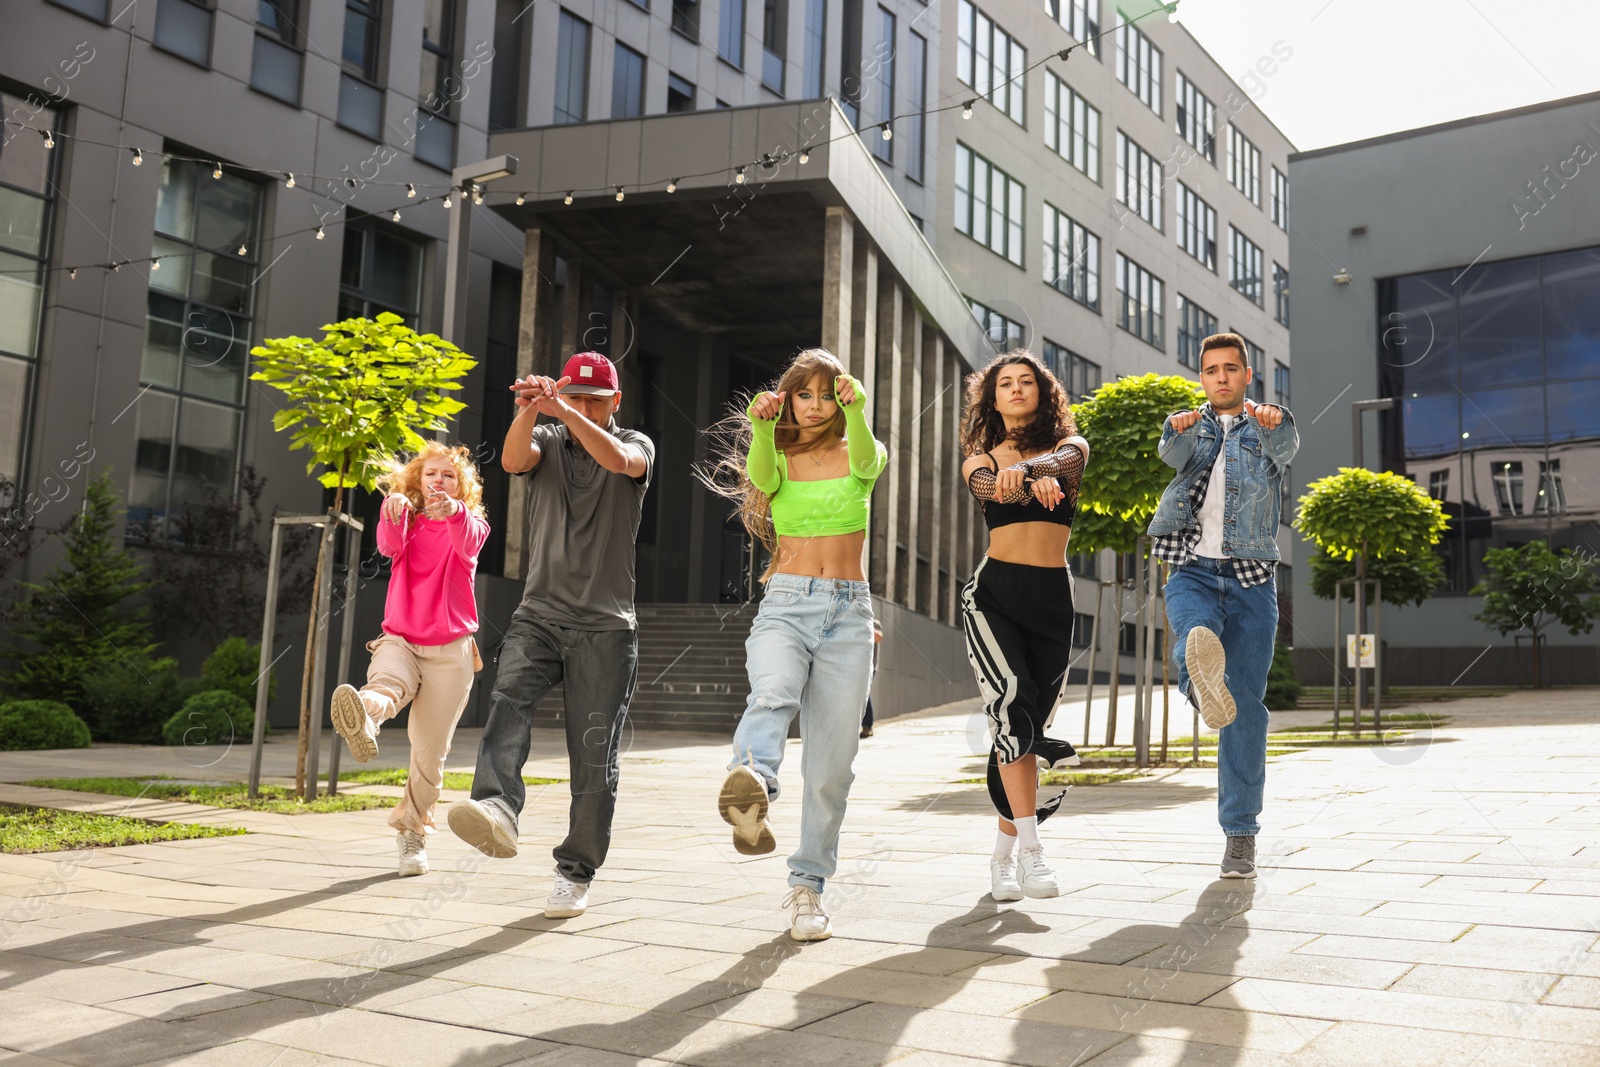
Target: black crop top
(1065,465)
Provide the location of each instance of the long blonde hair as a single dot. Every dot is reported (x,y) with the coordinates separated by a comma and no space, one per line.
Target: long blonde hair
(724,472)
(404,476)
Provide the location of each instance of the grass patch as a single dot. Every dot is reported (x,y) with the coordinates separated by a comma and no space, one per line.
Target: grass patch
(276,799)
(461,780)
(25,829)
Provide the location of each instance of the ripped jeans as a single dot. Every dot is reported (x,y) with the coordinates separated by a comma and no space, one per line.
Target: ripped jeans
(809,654)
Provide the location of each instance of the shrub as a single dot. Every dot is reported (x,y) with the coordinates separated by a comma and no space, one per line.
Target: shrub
(233,667)
(35,724)
(214,717)
(1283,687)
(129,698)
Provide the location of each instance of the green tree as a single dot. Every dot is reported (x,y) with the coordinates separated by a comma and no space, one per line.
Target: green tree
(363,393)
(79,617)
(1380,514)
(1408,579)
(1531,588)
(1283,684)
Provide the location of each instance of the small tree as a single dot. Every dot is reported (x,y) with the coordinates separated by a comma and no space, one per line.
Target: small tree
(365,392)
(1376,514)
(1531,588)
(1408,579)
(79,617)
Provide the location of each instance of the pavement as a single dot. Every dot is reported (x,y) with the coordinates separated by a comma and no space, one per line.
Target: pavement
(1430,903)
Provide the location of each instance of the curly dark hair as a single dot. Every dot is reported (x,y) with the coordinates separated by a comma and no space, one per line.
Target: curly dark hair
(983,428)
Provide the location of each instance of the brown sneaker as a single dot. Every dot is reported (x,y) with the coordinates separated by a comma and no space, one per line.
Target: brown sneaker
(1208,685)
(743,805)
(352,722)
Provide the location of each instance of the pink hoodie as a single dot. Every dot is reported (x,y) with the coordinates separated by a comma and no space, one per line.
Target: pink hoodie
(431,598)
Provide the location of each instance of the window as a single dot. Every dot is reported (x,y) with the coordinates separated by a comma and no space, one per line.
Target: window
(730,32)
(27,202)
(1280,384)
(1071,126)
(1197,119)
(884,96)
(275,63)
(852,25)
(95,9)
(1195,324)
(774,42)
(1280,199)
(360,99)
(1077,375)
(1257,359)
(1439,484)
(1244,165)
(1552,498)
(1071,258)
(380,270)
(197,336)
(505,76)
(1003,333)
(1280,293)
(680,95)
(686,18)
(183,27)
(816,37)
(1138,180)
(1197,227)
(990,61)
(1078,17)
(1244,265)
(436,128)
(917,99)
(988,204)
(1508,487)
(1138,64)
(1140,302)
(572,70)
(627,83)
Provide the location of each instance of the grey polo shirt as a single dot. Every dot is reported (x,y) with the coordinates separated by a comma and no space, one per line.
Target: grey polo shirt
(582,522)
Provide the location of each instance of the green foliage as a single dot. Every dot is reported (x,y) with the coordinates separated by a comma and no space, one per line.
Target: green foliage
(1531,587)
(1379,513)
(213,717)
(361,393)
(234,666)
(1407,579)
(26,725)
(274,798)
(24,829)
(1283,686)
(129,698)
(1122,485)
(77,619)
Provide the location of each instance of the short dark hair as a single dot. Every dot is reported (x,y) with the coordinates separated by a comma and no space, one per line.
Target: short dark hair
(1225,340)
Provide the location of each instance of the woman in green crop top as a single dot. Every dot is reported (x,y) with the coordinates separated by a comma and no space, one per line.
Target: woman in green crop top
(801,471)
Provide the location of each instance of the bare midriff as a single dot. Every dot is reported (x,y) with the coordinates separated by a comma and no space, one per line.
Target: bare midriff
(835,556)
(1032,544)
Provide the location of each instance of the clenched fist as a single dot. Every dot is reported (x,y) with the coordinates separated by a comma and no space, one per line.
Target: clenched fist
(1267,415)
(1183,420)
(765,407)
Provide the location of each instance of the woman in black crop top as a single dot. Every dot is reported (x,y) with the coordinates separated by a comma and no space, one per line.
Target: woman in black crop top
(1024,464)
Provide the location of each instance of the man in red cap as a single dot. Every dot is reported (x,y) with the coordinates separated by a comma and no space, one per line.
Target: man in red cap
(586,483)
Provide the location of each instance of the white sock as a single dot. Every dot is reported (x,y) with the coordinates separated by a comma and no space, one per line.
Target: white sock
(1027,831)
(1005,845)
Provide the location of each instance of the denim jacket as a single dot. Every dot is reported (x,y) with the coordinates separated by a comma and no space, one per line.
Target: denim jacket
(1256,459)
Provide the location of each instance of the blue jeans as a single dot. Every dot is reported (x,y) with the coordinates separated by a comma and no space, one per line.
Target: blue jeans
(1204,592)
(809,654)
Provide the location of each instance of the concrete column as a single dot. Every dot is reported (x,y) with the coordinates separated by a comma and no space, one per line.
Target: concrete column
(934,438)
(838,277)
(705,511)
(537,314)
(577,299)
(952,405)
(863,317)
(911,481)
(887,526)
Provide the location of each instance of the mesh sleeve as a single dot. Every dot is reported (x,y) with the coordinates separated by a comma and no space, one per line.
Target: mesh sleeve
(1064,465)
(982,486)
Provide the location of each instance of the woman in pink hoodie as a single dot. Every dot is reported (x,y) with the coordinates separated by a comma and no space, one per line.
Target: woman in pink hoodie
(432,528)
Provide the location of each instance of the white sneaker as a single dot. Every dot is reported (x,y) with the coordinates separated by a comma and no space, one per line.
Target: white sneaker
(743,805)
(567,900)
(810,921)
(1036,878)
(352,722)
(489,828)
(413,853)
(1208,681)
(1003,883)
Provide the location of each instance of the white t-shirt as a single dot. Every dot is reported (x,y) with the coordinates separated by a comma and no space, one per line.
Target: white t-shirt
(1211,509)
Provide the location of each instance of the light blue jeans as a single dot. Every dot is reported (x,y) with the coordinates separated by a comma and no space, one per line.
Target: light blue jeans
(1204,592)
(809,654)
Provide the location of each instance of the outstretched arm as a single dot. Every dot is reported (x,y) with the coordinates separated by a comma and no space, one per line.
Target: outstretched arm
(867,456)
(761,462)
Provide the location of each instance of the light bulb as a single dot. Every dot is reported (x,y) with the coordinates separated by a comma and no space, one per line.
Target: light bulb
(155,264)
(619,194)
(446,201)
(72,275)
(216,171)
(242,249)
(396,215)
(805,156)
(739,176)
(521,200)
(288,182)
(116,268)
(887,133)
(138,157)
(567,199)
(320,233)
(411,191)
(477,196)
(672,186)
(966,109)
(49,140)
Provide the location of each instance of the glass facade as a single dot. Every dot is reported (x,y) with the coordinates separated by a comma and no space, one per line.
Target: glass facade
(1498,372)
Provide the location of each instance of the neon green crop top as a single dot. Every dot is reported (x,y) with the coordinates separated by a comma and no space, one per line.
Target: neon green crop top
(830,505)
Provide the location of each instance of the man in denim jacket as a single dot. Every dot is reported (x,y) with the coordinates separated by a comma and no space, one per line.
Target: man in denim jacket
(1217,526)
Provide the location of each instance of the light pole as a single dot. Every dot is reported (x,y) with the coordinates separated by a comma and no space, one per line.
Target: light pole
(458,247)
(1361,580)
(1355,421)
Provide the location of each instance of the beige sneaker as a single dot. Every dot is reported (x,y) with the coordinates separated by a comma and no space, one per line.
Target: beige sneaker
(810,921)
(352,722)
(1208,683)
(413,853)
(486,827)
(743,805)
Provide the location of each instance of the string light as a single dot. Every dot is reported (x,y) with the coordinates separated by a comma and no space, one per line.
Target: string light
(463,192)
(446,201)
(738,175)
(117,268)
(411,191)
(216,171)
(155,264)
(289,182)
(320,234)
(1065,54)
(887,133)
(49,139)
(521,200)
(966,108)
(805,155)
(477,194)
(619,194)
(138,159)
(567,199)
(396,215)
(72,275)
(242,249)
(672,186)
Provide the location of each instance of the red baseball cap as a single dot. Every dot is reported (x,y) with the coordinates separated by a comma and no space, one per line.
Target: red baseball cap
(592,375)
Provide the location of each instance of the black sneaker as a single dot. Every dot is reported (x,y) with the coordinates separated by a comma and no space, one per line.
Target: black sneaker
(1239,858)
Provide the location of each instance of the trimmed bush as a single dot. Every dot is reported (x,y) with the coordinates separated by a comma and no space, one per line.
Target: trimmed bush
(233,666)
(130,698)
(26,725)
(215,717)
(1283,686)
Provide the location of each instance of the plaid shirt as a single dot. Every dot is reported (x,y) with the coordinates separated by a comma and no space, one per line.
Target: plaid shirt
(1177,549)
